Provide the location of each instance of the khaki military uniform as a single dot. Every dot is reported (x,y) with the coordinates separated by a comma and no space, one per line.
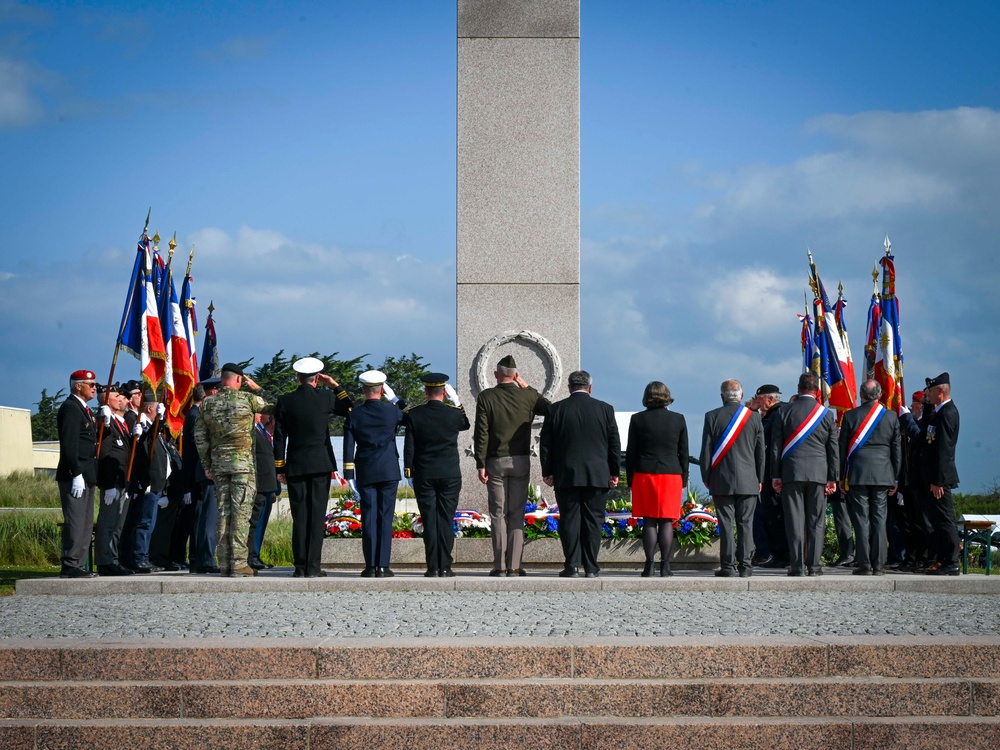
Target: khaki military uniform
(224,437)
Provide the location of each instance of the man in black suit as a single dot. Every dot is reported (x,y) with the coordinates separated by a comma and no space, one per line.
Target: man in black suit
(732,468)
(768,404)
(805,465)
(199,490)
(370,451)
(303,457)
(267,488)
(430,458)
(150,471)
(871,457)
(112,466)
(77,473)
(580,453)
(940,474)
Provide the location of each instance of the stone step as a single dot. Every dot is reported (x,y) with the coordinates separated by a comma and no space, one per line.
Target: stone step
(280,580)
(969,733)
(494,699)
(668,658)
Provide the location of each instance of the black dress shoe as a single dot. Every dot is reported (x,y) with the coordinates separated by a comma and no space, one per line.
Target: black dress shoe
(815,572)
(77,573)
(432,574)
(946,570)
(447,573)
(746,572)
(844,562)
(794,573)
(647,569)
(268,566)
(496,574)
(568,572)
(114,570)
(170,567)
(317,574)
(665,571)
(725,573)
(775,564)
(384,573)
(369,573)
(758,561)
(861,572)
(299,573)
(256,564)
(878,571)
(143,568)
(207,570)
(593,574)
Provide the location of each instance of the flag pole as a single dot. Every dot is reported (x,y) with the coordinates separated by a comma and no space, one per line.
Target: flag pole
(118,341)
(166,274)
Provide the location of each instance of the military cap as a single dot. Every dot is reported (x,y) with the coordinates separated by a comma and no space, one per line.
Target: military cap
(308,366)
(131,385)
(769,390)
(83,375)
(372,377)
(508,362)
(917,396)
(942,379)
(149,397)
(434,379)
(232,367)
(211,382)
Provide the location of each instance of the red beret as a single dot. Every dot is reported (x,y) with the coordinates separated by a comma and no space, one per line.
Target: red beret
(83,375)
(918,396)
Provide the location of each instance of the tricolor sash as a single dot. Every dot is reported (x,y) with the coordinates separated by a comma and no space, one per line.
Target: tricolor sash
(729,435)
(861,435)
(804,430)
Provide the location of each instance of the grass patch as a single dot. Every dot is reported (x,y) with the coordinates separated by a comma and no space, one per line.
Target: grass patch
(10,574)
(30,538)
(277,546)
(25,489)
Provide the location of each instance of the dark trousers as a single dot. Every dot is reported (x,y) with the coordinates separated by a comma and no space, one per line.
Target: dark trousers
(378,506)
(761,547)
(203,538)
(78,525)
(110,520)
(842,524)
(259,517)
(581,516)
(159,542)
(917,501)
(774,523)
(804,504)
(736,533)
(437,500)
(944,534)
(308,499)
(181,535)
(897,530)
(869,512)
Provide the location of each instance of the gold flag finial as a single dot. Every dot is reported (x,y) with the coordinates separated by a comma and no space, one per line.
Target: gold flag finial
(211,308)
(190,260)
(840,288)
(156,240)
(173,243)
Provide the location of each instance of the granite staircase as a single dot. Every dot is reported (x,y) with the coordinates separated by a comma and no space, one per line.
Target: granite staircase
(835,692)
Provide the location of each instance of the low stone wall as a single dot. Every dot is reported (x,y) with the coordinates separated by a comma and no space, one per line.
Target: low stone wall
(538,554)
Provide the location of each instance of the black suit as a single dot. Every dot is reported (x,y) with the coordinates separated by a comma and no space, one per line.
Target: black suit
(267,488)
(205,506)
(581,450)
(939,470)
(77,457)
(111,470)
(302,451)
(430,458)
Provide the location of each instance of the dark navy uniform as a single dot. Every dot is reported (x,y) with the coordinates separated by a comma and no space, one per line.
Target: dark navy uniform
(430,458)
(303,453)
(77,457)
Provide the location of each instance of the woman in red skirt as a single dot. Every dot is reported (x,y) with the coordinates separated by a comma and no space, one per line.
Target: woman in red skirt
(656,463)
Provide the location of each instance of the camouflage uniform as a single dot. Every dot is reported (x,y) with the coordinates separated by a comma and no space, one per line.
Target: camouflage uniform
(224,436)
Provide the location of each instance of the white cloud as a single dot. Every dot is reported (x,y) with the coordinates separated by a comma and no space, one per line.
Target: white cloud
(752,301)
(19,106)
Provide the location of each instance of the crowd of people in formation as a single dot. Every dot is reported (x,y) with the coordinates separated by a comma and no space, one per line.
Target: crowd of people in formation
(771,468)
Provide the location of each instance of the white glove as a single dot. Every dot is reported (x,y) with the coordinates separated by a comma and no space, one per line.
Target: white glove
(187,498)
(354,490)
(78,486)
(903,409)
(105,412)
(137,429)
(160,410)
(163,502)
(389,393)
(110,496)
(451,394)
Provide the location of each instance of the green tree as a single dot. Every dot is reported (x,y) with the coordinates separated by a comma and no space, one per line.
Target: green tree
(403,376)
(43,423)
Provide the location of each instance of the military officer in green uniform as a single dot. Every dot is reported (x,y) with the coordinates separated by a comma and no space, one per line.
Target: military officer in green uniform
(224,436)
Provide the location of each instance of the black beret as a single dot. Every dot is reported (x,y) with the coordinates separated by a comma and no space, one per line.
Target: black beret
(235,369)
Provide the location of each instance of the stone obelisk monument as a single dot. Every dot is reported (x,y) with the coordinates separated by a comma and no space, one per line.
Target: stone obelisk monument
(518,267)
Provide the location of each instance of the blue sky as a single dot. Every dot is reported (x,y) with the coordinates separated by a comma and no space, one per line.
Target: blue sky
(308,151)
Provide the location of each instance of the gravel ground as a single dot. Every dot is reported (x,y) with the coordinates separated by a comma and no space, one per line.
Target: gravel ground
(496,614)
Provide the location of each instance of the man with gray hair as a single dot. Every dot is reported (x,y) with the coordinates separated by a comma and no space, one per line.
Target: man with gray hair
(502,446)
(870,458)
(732,468)
(581,456)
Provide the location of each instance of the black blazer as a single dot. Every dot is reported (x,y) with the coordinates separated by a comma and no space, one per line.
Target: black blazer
(939,454)
(115,449)
(146,473)
(580,446)
(302,429)
(263,452)
(879,460)
(77,442)
(657,444)
(430,448)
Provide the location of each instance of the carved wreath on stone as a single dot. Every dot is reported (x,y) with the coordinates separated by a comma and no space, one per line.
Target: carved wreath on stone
(482,363)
